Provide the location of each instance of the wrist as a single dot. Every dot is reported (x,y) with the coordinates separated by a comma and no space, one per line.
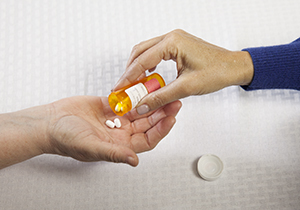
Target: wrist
(23,135)
(40,118)
(243,67)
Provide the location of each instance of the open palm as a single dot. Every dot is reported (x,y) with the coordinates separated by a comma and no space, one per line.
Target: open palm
(77,129)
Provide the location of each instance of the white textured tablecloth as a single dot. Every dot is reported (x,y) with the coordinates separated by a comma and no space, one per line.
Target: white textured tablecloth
(51,49)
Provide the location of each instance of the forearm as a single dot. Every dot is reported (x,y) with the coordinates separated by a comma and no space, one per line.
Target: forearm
(21,135)
(276,67)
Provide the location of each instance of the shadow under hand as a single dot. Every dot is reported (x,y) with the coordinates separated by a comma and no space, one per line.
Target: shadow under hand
(52,164)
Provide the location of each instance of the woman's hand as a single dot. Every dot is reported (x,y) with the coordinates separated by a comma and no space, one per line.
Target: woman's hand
(202,68)
(76,127)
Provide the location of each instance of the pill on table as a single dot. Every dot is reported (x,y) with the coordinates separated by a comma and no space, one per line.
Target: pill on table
(118,107)
(110,123)
(117,122)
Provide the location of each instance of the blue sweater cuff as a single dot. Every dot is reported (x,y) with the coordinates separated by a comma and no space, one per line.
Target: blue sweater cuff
(276,67)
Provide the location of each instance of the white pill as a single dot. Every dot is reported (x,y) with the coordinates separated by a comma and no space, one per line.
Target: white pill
(117,122)
(118,107)
(110,123)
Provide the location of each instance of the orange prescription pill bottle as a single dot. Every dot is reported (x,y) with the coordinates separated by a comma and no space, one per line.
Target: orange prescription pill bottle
(125,99)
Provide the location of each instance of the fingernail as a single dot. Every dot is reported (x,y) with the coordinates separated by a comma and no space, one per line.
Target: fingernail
(143,109)
(130,160)
(113,89)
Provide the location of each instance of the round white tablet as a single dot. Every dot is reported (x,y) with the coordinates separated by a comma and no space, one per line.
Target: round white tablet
(210,167)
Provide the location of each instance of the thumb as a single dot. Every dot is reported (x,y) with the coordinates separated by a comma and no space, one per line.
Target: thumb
(109,152)
(175,90)
(119,153)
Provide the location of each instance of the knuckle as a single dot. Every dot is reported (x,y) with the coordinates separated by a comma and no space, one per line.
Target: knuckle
(135,48)
(139,64)
(176,34)
(149,145)
(133,126)
(172,37)
(179,31)
(174,42)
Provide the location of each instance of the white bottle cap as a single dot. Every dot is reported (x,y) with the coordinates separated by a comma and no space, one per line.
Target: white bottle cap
(210,167)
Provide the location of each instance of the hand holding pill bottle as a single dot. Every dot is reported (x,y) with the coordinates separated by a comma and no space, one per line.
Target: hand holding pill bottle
(202,67)
(125,99)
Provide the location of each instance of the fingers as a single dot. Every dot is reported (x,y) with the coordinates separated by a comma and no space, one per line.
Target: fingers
(142,47)
(146,141)
(117,153)
(145,56)
(140,65)
(95,150)
(143,124)
(147,132)
(176,90)
(148,54)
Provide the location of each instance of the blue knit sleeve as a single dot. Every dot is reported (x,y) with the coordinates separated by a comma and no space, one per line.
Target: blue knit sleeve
(276,67)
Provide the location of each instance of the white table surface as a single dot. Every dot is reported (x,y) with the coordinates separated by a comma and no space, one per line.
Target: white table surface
(51,49)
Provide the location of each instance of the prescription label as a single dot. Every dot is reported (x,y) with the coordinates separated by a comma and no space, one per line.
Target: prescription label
(136,93)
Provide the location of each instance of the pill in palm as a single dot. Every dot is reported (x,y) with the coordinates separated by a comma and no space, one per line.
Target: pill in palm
(110,123)
(117,122)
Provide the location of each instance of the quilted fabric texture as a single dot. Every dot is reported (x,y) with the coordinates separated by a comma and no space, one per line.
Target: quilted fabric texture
(51,49)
